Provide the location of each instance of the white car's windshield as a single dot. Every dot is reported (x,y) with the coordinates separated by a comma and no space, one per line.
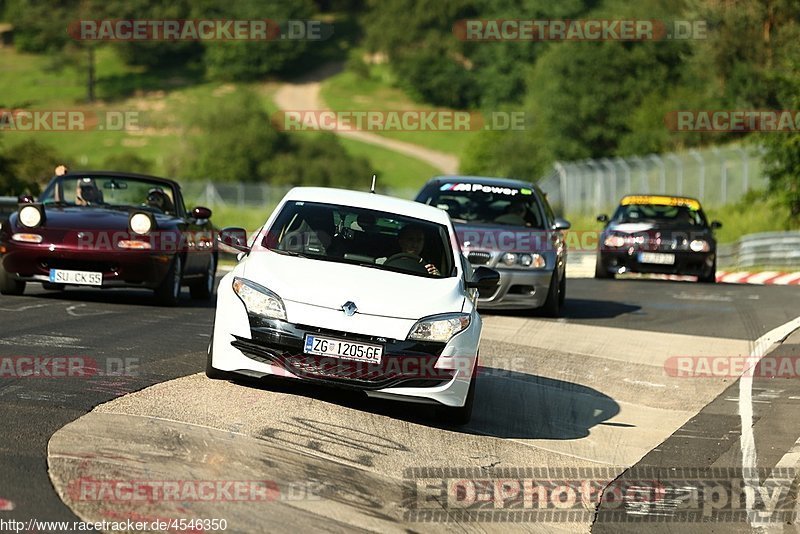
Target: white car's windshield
(363,237)
(110,191)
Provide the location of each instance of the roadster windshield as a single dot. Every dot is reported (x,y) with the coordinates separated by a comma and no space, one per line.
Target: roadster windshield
(362,237)
(110,191)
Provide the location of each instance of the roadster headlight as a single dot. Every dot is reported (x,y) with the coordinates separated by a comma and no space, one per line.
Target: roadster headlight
(439,327)
(140,223)
(30,216)
(259,300)
(699,245)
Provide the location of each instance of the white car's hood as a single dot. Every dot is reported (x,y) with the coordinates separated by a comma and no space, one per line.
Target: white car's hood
(374,291)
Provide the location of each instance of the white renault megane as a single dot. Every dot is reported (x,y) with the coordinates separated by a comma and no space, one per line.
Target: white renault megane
(354,290)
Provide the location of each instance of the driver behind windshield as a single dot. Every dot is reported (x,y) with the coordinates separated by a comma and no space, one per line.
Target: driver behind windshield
(412,240)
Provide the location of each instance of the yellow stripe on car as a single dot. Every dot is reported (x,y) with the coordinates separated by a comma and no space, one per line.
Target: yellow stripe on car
(660,200)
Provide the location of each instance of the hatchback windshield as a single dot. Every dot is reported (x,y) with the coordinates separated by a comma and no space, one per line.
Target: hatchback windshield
(677,215)
(488,204)
(110,191)
(362,237)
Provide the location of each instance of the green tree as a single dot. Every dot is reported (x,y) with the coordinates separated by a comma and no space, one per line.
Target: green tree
(252,60)
(27,166)
(128,162)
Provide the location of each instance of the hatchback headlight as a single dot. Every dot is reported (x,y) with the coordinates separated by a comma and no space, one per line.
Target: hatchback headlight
(699,245)
(614,241)
(439,327)
(259,300)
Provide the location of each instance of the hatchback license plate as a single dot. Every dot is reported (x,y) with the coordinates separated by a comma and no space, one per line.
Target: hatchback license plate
(655,257)
(342,348)
(82,278)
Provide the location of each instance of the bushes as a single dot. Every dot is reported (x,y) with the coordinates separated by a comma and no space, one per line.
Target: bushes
(235,142)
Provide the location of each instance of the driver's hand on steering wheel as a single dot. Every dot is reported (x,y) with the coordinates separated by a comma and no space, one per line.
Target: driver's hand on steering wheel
(432,269)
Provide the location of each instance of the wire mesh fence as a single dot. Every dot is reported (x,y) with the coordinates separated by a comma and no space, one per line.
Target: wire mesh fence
(716,177)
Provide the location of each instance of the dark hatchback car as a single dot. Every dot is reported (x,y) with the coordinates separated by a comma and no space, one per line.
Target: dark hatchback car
(109,229)
(507,225)
(658,234)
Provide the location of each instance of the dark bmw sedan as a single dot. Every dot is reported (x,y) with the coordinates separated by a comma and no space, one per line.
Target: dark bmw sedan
(658,234)
(108,229)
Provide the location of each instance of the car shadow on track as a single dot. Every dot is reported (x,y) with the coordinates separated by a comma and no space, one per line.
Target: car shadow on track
(575,309)
(508,404)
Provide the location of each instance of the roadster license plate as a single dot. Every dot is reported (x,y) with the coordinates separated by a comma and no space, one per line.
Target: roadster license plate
(655,257)
(342,348)
(82,278)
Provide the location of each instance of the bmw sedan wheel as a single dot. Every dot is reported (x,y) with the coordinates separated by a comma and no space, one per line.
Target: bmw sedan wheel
(552,306)
(168,293)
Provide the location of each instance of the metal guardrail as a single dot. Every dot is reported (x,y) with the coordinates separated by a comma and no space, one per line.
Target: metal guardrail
(773,249)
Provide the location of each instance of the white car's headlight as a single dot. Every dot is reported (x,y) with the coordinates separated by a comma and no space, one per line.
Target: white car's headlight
(699,245)
(439,327)
(259,300)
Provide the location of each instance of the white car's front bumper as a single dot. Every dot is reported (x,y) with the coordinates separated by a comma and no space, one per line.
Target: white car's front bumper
(442,376)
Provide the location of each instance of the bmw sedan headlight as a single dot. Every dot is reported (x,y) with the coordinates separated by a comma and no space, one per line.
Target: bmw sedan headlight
(699,245)
(439,327)
(259,300)
(535,261)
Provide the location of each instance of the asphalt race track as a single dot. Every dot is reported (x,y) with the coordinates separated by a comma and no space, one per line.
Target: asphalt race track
(592,390)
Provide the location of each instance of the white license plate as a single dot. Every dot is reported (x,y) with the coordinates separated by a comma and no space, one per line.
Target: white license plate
(82,278)
(342,348)
(655,257)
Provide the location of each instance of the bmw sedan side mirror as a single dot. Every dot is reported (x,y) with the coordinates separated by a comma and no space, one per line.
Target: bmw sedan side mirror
(715,225)
(561,224)
(201,213)
(485,280)
(602,218)
(235,238)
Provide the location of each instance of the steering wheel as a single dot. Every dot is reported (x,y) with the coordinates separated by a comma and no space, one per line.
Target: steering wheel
(407,261)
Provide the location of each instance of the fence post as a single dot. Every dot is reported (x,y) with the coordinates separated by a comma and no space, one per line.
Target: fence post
(610,165)
(702,163)
(662,173)
(627,168)
(678,170)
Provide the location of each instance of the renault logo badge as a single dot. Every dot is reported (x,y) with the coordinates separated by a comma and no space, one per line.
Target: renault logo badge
(349,308)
